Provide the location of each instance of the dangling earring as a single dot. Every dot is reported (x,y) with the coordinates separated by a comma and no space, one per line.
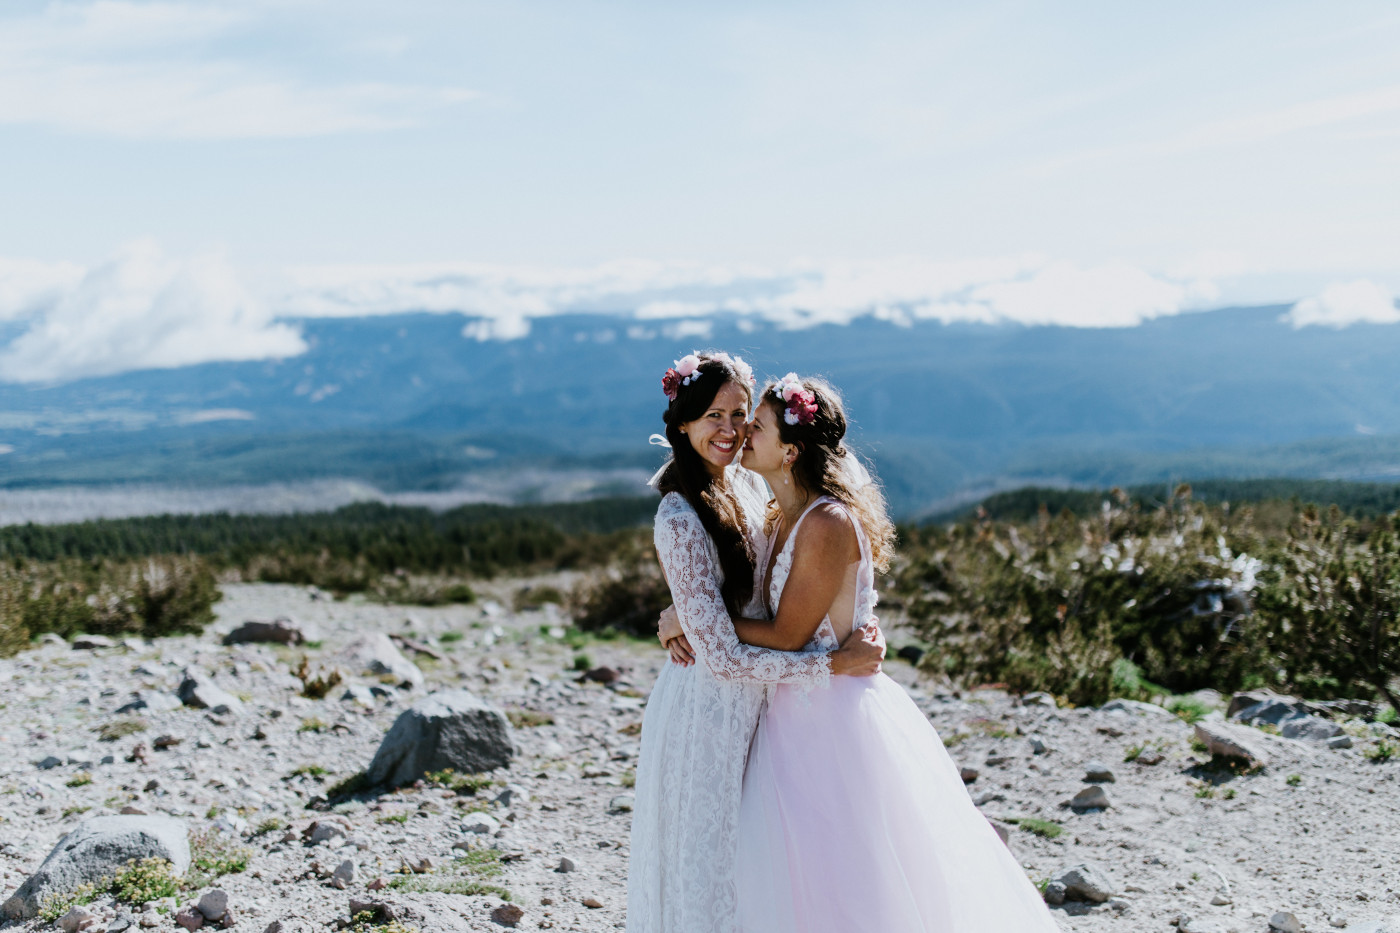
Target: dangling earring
(787,469)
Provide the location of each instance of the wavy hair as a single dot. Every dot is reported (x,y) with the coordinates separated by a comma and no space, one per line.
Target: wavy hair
(821,450)
(686,474)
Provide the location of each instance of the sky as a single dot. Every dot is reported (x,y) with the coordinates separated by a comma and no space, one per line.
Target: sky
(178,179)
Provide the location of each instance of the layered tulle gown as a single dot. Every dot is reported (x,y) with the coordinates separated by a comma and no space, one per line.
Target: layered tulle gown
(853,817)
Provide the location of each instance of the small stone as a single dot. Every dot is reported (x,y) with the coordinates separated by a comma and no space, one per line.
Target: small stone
(1310,729)
(1284,922)
(1084,882)
(1200,925)
(1037,744)
(1118,904)
(49,763)
(1090,798)
(89,642)
(150,918)
(968,775)
(507,915)
(1338,920)
(1220,900)
(481,823)
(199,692)
(1038,699)
(1055,893)
(622,803)
(77,918)
(281,631)
(1096,772)
(566,864)
(120,923)
(213,904)
(423,866)
(190,918)
(601,675)
(344,875)
(1230,741)
(1340,741)
(591,902)
(378,884)
(276,926)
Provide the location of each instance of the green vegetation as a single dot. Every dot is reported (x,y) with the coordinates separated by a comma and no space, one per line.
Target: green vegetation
(316,686)
(314,771)
(626,596)
(399,818)
(147,880)
(157,575)
(121,727)
(270,825)
(349,786)
(367,921)
(1189,709)
(80,779)
(1293,780)
(462,876)
(313,724)
(464,784)
(1043,828)
(1381,751)
(213,855)
(528,718)
(1184,595)
(54,906)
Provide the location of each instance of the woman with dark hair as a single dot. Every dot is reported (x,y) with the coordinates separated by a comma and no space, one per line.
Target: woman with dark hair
(847,781)
(701,717)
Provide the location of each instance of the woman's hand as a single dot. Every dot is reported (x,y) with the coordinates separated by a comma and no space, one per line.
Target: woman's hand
(673,639)
(860,654)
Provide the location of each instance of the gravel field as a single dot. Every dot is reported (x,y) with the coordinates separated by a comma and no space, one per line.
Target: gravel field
(1312,834)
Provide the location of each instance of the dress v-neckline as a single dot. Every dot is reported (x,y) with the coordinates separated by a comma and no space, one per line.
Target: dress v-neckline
(775,553)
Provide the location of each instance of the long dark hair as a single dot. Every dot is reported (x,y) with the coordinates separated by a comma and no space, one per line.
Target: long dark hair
(686,474)
(821,450)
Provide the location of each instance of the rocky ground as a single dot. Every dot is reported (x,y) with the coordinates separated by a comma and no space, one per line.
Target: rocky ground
(1179,845)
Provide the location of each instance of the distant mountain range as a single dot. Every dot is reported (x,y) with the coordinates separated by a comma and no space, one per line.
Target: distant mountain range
(947,412)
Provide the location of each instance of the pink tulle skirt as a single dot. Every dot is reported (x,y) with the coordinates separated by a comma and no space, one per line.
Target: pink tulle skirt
(854,818)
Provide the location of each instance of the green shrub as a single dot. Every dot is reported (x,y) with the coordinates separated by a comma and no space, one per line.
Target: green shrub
(147,880)
(213,855)
(121,727)
(1043,828)
(627,596)
(1189,709)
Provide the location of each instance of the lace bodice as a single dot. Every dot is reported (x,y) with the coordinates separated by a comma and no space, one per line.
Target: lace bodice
(691,563)
(824,639)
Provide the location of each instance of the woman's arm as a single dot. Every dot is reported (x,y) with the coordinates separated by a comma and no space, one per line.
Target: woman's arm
(684,550)
(826,546)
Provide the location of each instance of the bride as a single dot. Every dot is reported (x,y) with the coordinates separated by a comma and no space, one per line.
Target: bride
(700,718)
(853,816)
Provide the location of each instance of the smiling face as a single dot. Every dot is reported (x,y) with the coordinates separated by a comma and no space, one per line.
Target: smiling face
(764,450)
(718,434)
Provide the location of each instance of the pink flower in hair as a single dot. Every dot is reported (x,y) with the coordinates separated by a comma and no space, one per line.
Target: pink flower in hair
(687,365)
(671,384)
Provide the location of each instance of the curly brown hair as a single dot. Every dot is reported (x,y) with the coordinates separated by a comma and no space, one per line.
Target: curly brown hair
(686,474)
(821,451)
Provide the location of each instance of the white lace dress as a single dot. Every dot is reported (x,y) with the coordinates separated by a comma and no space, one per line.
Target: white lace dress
(696,732)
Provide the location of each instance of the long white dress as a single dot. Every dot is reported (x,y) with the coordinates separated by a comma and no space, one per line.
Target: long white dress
(854,817)
(696,731)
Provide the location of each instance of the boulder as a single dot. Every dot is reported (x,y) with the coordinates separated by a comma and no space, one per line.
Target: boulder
(89,642)
(198,691)
(1233,742)
(1310,729)
(451,729)
(1273,710)
(1242,701)
(190,918)
(280,631)
(1096,772)
(1090,798)
(1084,882)
(213,904)
(375,654)
(98,848)
(1136,706)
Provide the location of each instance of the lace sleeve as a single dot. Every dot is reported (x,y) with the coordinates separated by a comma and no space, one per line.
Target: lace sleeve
(687,558)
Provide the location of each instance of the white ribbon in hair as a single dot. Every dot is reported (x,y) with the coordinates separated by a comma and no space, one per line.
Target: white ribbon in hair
(853,471)
(657,440)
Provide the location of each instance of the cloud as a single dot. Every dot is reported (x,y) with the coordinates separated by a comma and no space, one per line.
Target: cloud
(1346,303)
(502,300)
(154,70)
(27,285)
(143,310)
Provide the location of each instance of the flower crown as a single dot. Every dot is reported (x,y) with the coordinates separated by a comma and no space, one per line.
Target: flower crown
(800,404)
(687,370)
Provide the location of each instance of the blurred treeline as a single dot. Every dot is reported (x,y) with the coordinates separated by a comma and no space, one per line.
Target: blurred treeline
(157,575)
(1113,596)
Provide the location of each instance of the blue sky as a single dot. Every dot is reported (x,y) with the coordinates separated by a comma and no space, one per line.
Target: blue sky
(1091,163)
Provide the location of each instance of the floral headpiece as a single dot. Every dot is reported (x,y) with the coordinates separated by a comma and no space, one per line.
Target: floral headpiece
(687,370)
(800,405)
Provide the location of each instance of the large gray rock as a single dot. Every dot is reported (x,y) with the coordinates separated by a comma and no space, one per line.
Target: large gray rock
(1090,798)
(96,849)
(375,654)
(451,729)
(280,631)
(1233,742)
(1085,882)
(198,691)
(1136,706)
(1310,729)
(1273,710)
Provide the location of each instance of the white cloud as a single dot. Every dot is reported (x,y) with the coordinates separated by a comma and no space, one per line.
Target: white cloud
(26,285)
(502,300)
(1344,304)
(147,70)
(143,310)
